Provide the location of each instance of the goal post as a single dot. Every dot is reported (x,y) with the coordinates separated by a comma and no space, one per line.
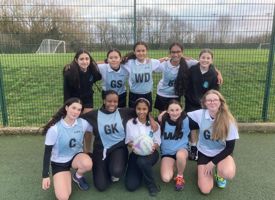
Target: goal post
(263,46)
(52,46)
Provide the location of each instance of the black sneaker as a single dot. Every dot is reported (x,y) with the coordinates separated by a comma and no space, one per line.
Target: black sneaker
(81,182)
(153,190)
(193,153)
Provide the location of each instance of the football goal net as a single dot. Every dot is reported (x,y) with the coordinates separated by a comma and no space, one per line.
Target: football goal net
(264,46)
(52,46)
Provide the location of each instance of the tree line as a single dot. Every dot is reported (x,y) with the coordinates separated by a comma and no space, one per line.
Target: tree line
(24,25)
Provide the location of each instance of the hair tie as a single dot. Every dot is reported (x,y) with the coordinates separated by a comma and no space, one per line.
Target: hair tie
(143,99)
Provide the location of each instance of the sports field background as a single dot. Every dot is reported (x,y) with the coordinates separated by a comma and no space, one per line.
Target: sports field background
(33,83)
(241,34)
(21,167)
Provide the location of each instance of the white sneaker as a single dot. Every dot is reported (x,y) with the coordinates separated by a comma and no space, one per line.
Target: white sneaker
(114,179)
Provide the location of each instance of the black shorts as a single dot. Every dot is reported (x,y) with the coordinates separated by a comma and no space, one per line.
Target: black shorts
(133,97)
(170,156)
(189,107)
(121,99)
(61,167)
(203,159)
(88,103)
(161,103)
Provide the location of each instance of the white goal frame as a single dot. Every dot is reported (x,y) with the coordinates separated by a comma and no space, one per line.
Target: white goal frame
(50,46)
(262,44)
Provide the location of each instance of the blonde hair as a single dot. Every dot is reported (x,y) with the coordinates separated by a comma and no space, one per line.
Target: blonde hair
(223,117)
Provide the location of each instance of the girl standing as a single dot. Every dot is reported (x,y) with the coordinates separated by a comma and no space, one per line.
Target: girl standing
(217,135)
(174,144)
(114,76)
(168,87)
(140,167)
(64,150)
(140,70)
(202,77)
(78,79)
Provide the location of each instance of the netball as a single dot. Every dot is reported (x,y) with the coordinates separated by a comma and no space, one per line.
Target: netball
(143,144)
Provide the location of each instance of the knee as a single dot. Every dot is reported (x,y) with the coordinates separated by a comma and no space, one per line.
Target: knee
(142,162)
(182,154)
(131,187)
(117,171)
(63,196)
(205,188)
(227,174)
(166,178)
(87,165)
(101,187)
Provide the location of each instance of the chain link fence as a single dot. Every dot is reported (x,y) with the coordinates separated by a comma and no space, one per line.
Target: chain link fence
(37,38)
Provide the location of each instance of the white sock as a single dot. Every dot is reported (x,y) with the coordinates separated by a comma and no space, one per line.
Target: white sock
(77,175)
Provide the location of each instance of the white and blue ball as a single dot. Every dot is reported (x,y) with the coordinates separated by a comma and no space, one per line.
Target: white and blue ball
(143,145)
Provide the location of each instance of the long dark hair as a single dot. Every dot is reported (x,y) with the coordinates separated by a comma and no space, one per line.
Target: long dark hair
(147,103)
(61,113)
(72,69)
(166,117)
(182,76)
(131,55)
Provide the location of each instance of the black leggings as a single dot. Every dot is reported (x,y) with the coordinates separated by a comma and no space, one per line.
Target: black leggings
(113,165)
(140,167)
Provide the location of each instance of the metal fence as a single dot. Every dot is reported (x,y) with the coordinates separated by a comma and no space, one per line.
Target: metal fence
(37,38)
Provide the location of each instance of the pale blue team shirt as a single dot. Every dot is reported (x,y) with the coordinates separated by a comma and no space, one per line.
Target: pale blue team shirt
(67,140)
(165,86)
(113,80)
(110,129)
(140,75)
(171,145)
(133,131)
(205,144)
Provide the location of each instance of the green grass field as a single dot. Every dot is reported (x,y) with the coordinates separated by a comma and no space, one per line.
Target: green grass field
(33,83)
(21,166)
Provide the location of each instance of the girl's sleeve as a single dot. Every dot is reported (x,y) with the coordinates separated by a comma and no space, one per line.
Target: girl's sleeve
(155,64)
(51,136)
(156,136)
(128,132)
(46,161)
(191,62)
(87,126)
(193,125)
(66,88)
(159,67)
(195,115)
(230,144)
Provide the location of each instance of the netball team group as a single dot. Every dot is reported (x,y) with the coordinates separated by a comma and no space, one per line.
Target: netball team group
(81,138)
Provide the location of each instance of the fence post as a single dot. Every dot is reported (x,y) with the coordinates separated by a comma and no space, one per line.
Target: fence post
(135,22)
(269,71)
(3,106)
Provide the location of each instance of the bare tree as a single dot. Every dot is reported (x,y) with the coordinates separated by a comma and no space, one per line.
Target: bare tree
(223,26)
(104,31)
(179,30)
(26,23)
